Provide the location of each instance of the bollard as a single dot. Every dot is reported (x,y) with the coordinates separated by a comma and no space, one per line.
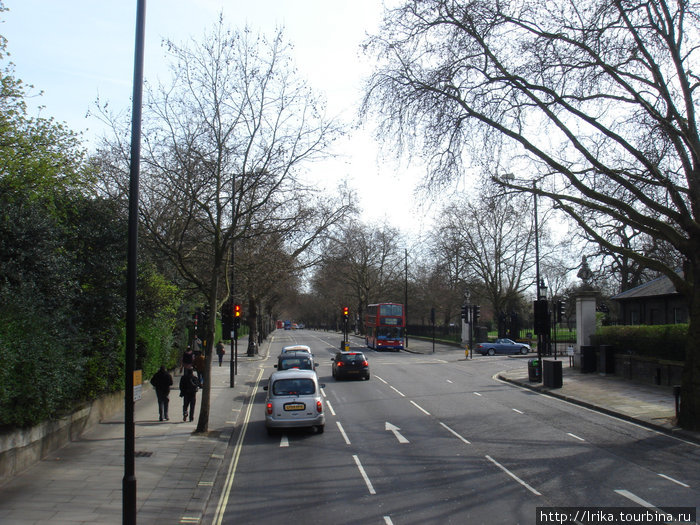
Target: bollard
(677,395)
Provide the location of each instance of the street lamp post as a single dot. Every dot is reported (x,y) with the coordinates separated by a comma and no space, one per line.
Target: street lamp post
(129,480)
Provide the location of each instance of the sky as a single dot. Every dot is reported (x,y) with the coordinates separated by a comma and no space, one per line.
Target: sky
(78,50)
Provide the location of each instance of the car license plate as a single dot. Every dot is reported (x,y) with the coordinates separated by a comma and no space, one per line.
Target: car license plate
(291,407)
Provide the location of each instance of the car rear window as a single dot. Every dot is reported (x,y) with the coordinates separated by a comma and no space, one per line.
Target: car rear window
(284,387)
(348,358)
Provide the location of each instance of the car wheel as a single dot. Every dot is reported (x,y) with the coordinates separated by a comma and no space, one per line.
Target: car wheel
(270,431)
(367,377)
(320,429)
(523,350)
(492,351)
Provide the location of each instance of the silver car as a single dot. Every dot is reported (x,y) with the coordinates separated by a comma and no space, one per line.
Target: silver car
(294,400)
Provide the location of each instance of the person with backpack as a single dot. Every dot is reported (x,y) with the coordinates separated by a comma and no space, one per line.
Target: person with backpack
(162,381)
(188,392)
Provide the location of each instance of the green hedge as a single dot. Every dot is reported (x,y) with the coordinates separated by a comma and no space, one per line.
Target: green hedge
(660,341)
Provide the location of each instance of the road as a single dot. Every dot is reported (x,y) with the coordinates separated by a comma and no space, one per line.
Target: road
(436,439)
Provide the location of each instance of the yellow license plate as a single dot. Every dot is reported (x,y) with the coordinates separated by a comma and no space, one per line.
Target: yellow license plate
(290,407)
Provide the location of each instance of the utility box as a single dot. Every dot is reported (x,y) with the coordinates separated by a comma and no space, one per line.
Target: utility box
(588,359)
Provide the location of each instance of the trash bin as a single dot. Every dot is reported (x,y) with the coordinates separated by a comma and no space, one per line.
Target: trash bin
(606,360)
(588,359)
(552,374)
(533,370)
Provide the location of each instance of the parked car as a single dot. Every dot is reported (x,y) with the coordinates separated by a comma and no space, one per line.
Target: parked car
(350,364)
(296,348)
(294,400)
(295,359)
(503,346)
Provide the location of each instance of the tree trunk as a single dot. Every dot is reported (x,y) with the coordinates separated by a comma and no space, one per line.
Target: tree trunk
(689,416)
(253,327)
(209,333)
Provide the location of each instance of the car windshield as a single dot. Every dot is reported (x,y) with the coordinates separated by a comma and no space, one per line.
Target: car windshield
(287,387)
(295,362)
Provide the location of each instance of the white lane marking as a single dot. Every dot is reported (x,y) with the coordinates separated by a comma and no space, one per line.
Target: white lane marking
(330,407)
(639,501)
(477,394)
(449,381)
(393,428)
(377,377)
(516,410)
(455,433)
(397,391)
(364,475)
(342,431)
(420,408)
(674,480)
(616,418)
(323,392)
(516,478)
(284,441)
(575,436)
(388,521)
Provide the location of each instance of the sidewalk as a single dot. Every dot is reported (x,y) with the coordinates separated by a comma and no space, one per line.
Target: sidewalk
(81,483)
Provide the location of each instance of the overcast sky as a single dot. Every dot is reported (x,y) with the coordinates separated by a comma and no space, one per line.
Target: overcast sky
(77,50)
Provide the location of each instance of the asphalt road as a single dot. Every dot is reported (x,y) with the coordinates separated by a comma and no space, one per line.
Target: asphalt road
(436,439)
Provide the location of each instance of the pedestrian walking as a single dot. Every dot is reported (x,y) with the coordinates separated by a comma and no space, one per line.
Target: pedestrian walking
(188,392)
(220,351)
(200,366)
(187,359)
(162,381)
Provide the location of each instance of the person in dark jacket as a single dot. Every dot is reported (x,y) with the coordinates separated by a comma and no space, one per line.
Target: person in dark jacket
(162,381)
(188,392)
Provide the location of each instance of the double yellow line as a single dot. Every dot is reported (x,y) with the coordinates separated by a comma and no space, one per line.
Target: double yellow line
(223,501)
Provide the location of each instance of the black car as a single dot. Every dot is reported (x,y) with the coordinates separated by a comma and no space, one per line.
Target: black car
(295,359)
(350,364)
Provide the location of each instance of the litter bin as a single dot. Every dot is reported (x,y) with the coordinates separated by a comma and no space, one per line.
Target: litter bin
(588,359)
(552,374)
(533,370)
(606,360)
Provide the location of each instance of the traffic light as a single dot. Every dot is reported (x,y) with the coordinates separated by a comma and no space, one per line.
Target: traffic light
(541,317)
(465,312)
(237,315)
(561,307)
(477,312)
(226,319)
(346,312)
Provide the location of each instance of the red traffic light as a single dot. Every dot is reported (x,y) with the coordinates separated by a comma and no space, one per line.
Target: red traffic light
(237,310)
(345,312)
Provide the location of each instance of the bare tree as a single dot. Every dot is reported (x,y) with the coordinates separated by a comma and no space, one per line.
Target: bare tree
(496,235)
(224,146)
(595,97)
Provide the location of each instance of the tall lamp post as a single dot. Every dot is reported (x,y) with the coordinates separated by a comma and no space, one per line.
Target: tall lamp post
(129,480)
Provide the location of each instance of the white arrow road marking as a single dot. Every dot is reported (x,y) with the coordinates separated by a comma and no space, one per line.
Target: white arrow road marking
(393,428)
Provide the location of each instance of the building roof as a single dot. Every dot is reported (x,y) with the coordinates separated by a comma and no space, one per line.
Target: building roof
(654,288)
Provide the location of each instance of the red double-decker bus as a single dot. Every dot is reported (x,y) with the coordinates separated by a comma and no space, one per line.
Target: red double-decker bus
(384,326)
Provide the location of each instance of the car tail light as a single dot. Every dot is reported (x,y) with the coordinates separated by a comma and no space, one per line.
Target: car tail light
(319,407)
(340,363)
(269,408)
(365,363)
